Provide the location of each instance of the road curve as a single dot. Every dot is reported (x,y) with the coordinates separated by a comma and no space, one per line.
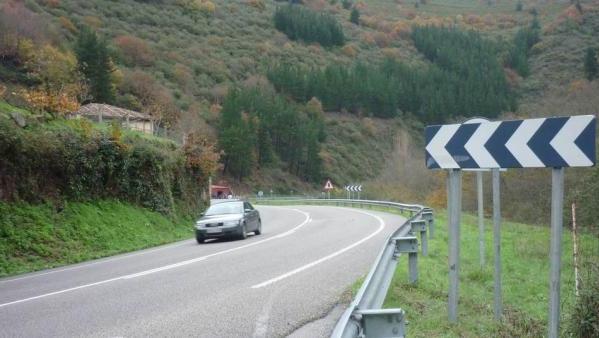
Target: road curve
(266,286)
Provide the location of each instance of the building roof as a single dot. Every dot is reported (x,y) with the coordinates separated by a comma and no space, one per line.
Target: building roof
(220,187)
(94,109)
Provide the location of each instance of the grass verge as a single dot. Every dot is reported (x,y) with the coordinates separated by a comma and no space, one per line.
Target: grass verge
(525,278)
(35,237)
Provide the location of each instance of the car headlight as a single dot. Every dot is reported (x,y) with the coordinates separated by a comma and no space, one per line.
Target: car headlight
(231,223)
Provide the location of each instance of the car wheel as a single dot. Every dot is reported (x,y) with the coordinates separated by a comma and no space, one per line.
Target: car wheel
(243,234)
(200,239)
(259,229)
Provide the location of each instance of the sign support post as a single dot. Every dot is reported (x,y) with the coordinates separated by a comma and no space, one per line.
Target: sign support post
(557,208)
(455,210)
(481,218)
(498,307)
(555,142)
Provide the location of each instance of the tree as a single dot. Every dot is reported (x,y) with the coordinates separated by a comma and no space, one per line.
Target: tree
(96,65)
(355,16)
(59,88)
(590,64)
(134,51)
(519,6)
(300,23)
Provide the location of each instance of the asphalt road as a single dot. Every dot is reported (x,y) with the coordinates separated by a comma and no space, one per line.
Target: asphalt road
(283,282)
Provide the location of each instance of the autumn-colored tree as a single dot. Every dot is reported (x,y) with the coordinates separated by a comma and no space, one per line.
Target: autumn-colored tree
(19,25)
(60,86)
(134,51)
(197,8)
(201,157)
(154,99)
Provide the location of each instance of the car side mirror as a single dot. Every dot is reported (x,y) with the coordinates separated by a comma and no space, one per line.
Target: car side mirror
(201,214)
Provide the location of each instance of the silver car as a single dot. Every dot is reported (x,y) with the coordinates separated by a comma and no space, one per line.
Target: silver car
(228,218)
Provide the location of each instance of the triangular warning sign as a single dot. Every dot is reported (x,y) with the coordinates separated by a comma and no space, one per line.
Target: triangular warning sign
(328,185)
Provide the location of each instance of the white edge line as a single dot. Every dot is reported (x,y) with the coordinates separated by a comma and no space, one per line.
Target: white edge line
(167,267)
(323,259)
(98,261)
(83,265)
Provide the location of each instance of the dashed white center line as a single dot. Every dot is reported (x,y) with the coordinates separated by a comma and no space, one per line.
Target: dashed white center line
(326,258)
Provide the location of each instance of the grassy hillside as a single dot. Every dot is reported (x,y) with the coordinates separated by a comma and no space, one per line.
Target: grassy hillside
(35,237)
(71,191)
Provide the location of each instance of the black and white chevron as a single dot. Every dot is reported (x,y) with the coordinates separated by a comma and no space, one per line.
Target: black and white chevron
(531,143)
(353,188)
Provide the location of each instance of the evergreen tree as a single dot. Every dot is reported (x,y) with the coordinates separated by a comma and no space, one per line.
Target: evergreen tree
(519,6)
(355,16)
(259,127)
(524,39)
(590,64)
(300,23)
(465,79)
(95,65)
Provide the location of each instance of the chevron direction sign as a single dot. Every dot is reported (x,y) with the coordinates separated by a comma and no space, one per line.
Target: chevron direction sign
(532,143)
(353,188)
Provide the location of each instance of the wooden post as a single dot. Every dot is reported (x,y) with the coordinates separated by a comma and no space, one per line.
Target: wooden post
(575,248)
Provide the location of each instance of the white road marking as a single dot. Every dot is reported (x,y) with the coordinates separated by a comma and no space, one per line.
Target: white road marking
(99,261)
(167,267)
(261,329)
(326,258)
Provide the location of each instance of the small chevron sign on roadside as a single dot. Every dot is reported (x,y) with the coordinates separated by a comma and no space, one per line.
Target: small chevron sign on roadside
(532,143)
(353,188)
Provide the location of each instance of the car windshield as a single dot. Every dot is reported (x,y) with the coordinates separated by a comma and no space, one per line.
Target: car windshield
(225,208)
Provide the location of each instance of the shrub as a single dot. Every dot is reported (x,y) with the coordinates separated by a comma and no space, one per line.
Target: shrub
(134,51)
(584,321)
(68,160)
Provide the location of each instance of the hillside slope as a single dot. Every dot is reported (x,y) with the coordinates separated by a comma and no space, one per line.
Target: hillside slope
(197,57)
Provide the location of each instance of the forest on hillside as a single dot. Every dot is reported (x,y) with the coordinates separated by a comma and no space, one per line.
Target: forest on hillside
(56,70)
(228,74)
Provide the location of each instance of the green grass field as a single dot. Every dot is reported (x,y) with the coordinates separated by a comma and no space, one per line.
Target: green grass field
(525,265)
(35,237)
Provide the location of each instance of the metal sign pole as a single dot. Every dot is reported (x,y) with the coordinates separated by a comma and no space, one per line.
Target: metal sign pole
(481,219)
(557,208)
(455,196)
(498,307)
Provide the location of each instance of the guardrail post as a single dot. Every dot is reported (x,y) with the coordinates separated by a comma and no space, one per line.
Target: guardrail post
(420,226)
(430,218)
(388,323)
(409,245)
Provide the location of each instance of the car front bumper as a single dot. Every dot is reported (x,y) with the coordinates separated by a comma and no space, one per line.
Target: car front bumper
(216,232)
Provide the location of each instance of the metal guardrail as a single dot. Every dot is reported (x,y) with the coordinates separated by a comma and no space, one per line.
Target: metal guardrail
(364,317)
